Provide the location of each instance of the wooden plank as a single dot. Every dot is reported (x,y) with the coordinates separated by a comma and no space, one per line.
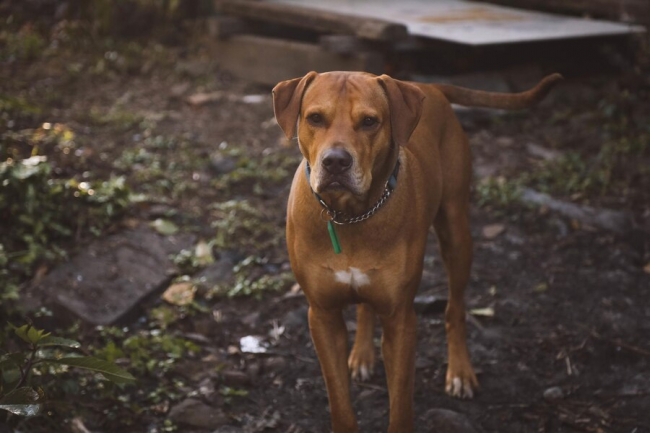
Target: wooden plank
(314,19)
(269,61)
(636,11)
(342,44)
(222,27)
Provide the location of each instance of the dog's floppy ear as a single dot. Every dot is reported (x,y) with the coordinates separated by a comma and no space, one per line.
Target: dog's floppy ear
(287,97)
(405,104)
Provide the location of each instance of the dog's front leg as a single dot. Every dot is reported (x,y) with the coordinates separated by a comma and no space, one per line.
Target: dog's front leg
(398,350)
(330,337)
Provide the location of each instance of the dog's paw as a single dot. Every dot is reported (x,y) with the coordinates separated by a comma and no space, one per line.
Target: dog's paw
(461,383)
(361,363)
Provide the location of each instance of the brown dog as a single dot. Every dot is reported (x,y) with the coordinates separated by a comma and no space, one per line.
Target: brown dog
(383,161)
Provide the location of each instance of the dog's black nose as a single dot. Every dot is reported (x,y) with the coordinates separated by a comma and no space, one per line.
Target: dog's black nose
(337,160)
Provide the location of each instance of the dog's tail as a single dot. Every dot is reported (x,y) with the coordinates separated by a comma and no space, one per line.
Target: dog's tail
(508,101)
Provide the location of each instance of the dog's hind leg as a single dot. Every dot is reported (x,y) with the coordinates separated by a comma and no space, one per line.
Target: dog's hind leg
(454,237)
(362,358)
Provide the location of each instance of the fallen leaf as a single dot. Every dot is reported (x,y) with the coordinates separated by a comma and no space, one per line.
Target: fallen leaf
(180,293)
(131,223)
(199,99)
(485,312)
(165,227)
(541,287)
(40,274)
(575,224)
(493,230)
(77,426)
(203,253)
(277,331)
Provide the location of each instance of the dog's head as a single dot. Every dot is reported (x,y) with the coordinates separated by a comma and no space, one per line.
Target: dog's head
(348,123)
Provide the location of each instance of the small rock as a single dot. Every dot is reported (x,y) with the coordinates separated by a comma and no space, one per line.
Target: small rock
(274,364)
(235,378)
(208,392)
(178,90)
(195,413)
(251,319)
(447,421)
(554,393)
(542,152)
(160,211)
(614,220)
(222,164)
(253,370)
(430,304)
(560,226)
(504,141)
(216,273)
(491,231)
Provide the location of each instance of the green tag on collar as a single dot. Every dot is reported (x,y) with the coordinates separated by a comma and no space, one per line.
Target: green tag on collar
(334,238)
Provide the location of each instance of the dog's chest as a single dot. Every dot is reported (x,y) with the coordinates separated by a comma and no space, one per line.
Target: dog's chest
(352,277)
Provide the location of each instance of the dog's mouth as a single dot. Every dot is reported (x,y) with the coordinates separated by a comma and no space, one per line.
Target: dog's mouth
(335,185)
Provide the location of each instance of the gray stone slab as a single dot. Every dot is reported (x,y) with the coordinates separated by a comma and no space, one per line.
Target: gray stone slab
(471,23)
(112,275)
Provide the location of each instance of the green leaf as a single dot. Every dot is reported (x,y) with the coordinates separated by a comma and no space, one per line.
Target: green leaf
(165,227)
(110,371)
(22,401)
(30,334)
(51,340)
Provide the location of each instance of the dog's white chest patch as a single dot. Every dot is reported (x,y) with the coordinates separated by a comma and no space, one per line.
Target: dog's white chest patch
(353,277)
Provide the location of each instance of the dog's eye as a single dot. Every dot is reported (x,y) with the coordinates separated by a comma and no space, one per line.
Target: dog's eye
(315,119)
(369,121)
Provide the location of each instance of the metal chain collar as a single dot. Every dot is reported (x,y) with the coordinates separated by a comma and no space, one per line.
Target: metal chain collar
(335,215)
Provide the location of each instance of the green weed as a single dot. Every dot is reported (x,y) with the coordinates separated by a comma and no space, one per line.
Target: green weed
(25,45)
(497,192)
(251,279)
(40,211)
(257,174)
(239,224)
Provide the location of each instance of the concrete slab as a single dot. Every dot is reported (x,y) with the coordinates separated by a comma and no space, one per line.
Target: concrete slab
(473,24)
(112,275)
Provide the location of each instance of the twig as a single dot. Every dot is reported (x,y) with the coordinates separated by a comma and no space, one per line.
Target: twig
(371,386)
(28,368)
(474,321)
(620,343)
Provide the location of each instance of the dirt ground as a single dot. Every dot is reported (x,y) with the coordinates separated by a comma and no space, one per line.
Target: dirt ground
(570,303)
